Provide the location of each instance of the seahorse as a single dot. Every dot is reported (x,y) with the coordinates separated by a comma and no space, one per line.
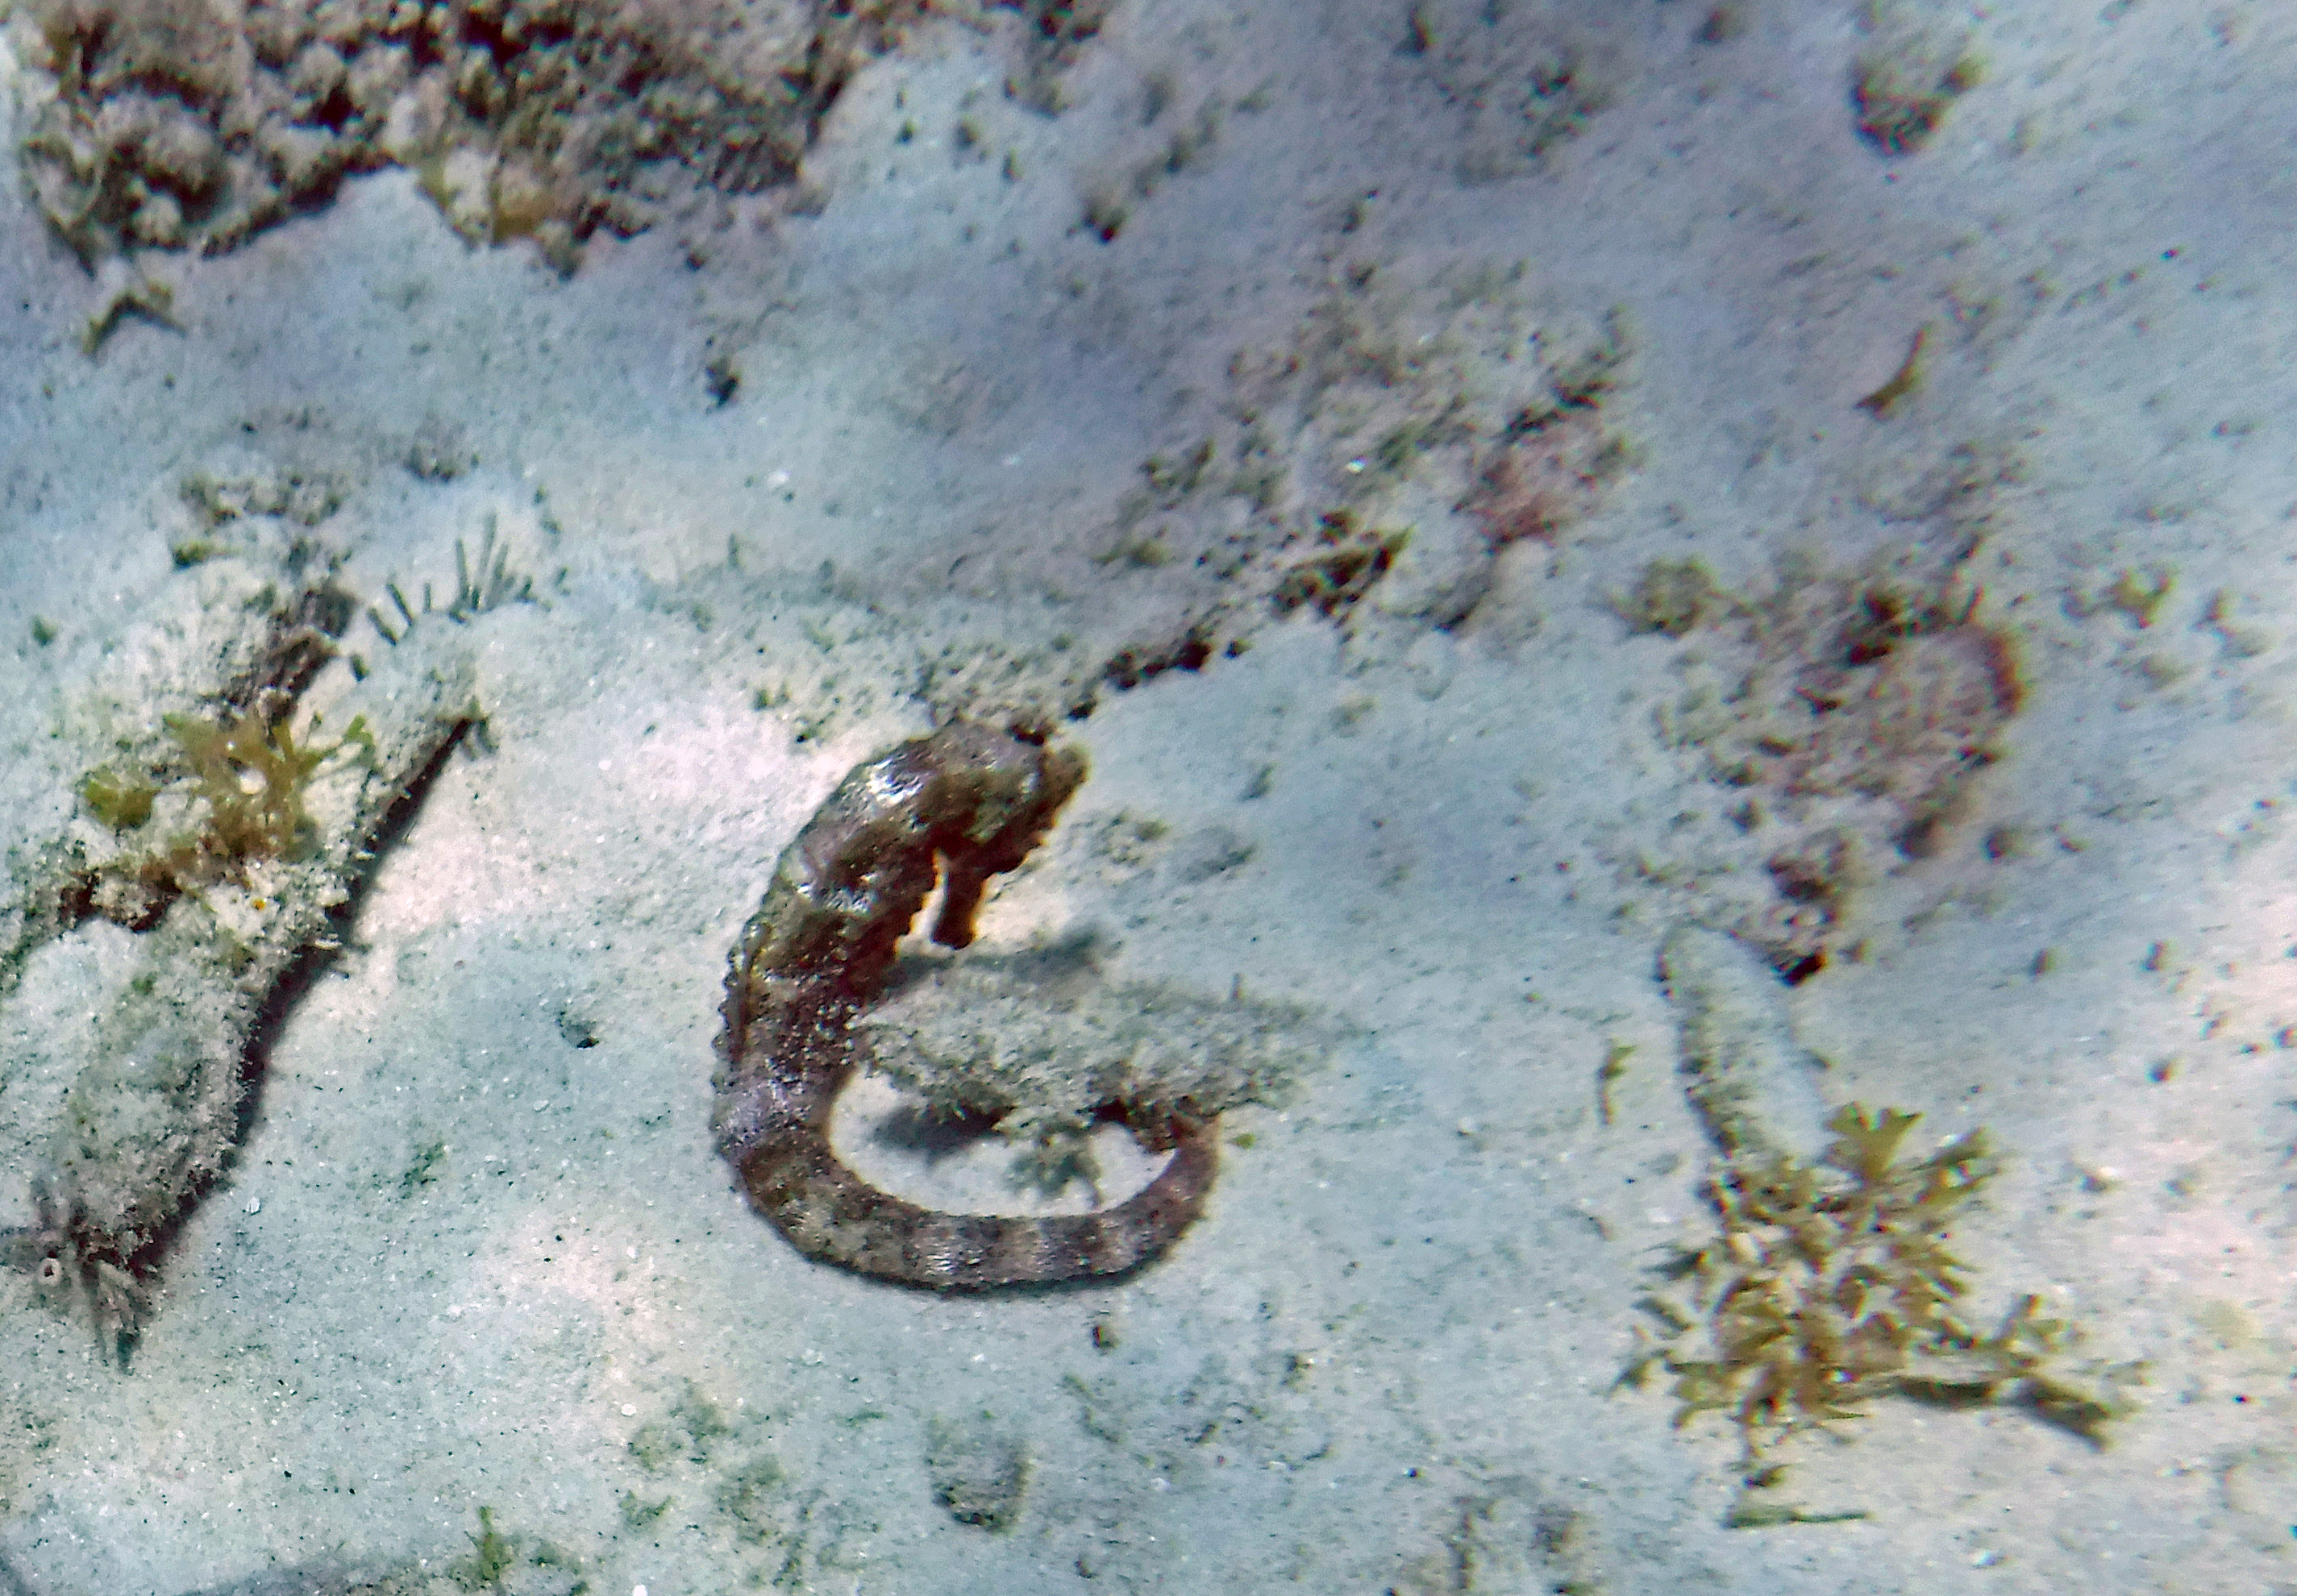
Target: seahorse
(965,804)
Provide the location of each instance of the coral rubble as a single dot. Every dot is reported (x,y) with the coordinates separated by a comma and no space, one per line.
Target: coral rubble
(171,126)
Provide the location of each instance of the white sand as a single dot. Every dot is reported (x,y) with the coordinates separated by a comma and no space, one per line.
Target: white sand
(1381,1362)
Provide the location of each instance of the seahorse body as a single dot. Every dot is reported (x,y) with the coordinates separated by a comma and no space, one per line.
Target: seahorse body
(818,951)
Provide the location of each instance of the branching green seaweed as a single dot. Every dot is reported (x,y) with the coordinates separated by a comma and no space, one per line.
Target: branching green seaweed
(253,775)
(237,787)
(1829,1285)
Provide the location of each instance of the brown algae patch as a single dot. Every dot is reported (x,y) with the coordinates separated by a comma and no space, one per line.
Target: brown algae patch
(1846,715)
(1828,1284)
(1826,1279)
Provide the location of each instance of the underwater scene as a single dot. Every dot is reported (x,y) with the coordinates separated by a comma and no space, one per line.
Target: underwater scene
(1013,799)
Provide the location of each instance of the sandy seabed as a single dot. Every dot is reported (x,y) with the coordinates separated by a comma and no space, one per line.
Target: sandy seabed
(1872,541)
